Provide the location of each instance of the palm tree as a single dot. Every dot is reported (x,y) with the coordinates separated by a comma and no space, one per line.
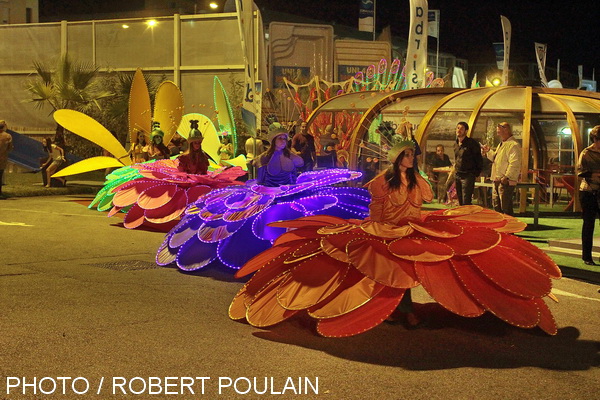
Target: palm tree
(69,85)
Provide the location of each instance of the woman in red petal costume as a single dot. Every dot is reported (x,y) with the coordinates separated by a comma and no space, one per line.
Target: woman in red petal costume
(351,275)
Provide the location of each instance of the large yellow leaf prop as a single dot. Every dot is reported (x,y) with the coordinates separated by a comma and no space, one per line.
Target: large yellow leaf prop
(89,164)
(168,109)
(139,108)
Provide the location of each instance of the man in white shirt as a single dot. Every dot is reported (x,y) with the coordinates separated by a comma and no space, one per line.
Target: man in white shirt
(506,167)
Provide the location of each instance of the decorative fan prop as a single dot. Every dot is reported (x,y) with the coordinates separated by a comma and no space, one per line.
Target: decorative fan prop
(168,110)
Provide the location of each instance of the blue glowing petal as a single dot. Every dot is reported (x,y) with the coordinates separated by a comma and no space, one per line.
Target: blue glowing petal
(255,208)
(214,231)
(316,203)
(195,254)
(242,200)
(184,230)
(277,212)
(165,254)
(293,189)
(236,250)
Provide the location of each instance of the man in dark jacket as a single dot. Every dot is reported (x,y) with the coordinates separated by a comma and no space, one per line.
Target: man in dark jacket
(468,163)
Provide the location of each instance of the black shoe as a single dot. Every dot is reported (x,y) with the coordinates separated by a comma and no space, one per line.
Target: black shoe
(589,262)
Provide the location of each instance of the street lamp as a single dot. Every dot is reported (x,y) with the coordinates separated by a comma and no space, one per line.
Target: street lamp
(213,5)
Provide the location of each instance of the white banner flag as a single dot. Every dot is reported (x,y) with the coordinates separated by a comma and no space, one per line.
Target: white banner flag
(366,16)
(540,53)
(433,20)
(416,53)
(250,113)
(506,28)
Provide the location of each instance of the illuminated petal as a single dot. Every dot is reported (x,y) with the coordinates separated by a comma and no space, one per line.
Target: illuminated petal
(513,225)
(386,231)
(296,234)
(194,254)
(165,254)
(420,249)
(276,212)
(195,192)
(240,247)
(256,207)
(441,282)
(335,229)
(513,272)
(537,257)
(547,322)
(437,229)
(312,220)
(462,211)
(265,310)
(276,254)
(311,282)
(156,196)
(355,291)
(506,306)
(134,217)
(335,245)
(371,314)
(372,258)
(473,241)
(184,231)
(308,249)
(114,211)
(170,211)
(128,193)
(214,231)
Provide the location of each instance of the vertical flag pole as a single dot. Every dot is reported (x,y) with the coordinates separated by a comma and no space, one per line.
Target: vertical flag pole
(374,18)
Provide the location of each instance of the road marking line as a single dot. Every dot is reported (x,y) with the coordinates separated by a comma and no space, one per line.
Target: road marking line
(14,223)
(568,294)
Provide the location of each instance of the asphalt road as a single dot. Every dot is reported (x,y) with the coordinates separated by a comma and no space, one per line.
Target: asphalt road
(81,298)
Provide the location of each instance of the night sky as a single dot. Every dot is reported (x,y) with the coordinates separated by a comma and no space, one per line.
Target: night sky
(570,28)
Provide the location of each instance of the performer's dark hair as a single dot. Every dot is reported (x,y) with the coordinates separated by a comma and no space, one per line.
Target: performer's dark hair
(392,175)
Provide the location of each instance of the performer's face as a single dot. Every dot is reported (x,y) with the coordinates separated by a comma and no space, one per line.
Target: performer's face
(280,142)
(461,132)
(408,159)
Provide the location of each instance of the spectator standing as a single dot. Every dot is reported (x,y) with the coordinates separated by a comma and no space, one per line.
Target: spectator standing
(440,160)
(588,168)
(303,143)
(468,164)
(506,167)
(6,146)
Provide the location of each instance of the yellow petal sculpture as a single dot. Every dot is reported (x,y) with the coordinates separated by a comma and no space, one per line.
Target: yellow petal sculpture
(139,108)
(168,109)
(89,164)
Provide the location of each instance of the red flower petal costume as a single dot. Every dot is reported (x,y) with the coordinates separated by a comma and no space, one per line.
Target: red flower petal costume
(350,275)
(164,192)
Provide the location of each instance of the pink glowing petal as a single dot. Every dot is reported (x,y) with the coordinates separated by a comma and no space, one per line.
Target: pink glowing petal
(168,212)
(134,217)
(128,193)
(156,196)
